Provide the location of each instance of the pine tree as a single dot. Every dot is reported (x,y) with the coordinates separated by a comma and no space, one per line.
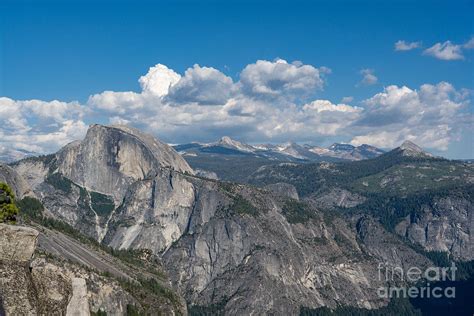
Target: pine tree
(8,208)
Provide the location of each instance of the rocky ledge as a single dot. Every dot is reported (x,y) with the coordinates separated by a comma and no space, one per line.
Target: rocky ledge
(17,243)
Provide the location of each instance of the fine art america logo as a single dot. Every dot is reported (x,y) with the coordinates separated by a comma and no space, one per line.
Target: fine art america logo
(414,275)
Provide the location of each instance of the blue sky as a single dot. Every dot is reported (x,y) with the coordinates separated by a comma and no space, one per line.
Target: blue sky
(70,50)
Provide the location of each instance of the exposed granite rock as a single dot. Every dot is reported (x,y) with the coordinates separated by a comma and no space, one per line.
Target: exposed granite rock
(68,289)
(111,158)
(17,243)
(280,266)
(387,247)
(62,255)
(42,283)
(446,225)
(53,288)
(17,291)
(206,174)
(110,161)
(154,214)
(233,245)
(206,240)
(410,149)
(74,207)
(11,177)
(338,197)
(79,304)
(283,189)
(61,198)
(34,170)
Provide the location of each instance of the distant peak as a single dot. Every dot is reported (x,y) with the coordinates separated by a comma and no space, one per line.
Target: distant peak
(409,148)
(290,144)
(229,142)
(226,139)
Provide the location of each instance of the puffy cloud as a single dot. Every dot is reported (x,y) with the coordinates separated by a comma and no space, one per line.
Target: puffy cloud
(39,126)
(11,117)
(203,85)
(266,104)
(158,80)
(431,116)
(406,46)
(393,105)
(445,51)
(117,102)
(325,70)
(469,44)
(437,137)
(207,102)
(382,139)
(368,77)
(433,102)
(322,117)
(279,78)
(20,114)
(325,105)
(448,50)
(347,99)
(66,132)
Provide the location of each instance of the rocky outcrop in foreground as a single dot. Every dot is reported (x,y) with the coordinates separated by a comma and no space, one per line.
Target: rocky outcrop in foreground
(17,291)
(56,275)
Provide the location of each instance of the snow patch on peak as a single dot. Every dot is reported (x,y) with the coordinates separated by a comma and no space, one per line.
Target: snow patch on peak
(319,150)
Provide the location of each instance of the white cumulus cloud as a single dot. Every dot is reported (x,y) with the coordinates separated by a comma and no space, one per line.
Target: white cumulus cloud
(158,80)
(280,78)
(469,44)
(325,105)
(348,99)
(203,85)
(406,46)
(445,51)
(39,126)
(368,77)
(431,116)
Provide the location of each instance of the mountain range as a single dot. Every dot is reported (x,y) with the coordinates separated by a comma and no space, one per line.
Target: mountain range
(231,160)
(121,223)
(288,151)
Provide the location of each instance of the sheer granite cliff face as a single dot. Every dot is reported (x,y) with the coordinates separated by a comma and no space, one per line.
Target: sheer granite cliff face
(111,158)
(446,225)
(270,263)
(154,213)
(86,181)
